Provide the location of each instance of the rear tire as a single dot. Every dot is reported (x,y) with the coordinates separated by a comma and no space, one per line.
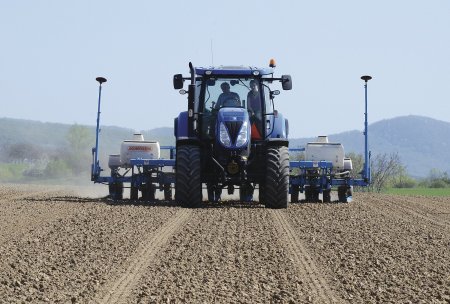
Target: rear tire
(311,194)
(148,192)
(294,194)
(116,191)
(307,194)
(262,194)
(188,186)
(326,196)
(343,192)
(315,195)
(349,193)
(134,193)
(246,193)
(167,192)
(277,178)
(214,193)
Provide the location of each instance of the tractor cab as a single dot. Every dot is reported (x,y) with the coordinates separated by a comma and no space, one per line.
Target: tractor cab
(234,87)
(224,97)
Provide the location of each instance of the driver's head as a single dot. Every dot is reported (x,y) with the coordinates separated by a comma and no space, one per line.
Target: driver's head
(225,87)
(253,85)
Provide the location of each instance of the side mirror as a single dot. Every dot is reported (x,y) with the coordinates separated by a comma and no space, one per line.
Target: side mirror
(274,93)
(178,81)
(286,82)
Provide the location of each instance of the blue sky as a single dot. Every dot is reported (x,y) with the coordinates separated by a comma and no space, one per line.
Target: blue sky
(51,52)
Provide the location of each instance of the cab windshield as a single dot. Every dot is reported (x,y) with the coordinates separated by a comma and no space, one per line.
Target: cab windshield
(229,92)
(219,93)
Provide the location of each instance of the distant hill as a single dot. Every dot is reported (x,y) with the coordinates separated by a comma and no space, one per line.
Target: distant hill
(52,136)
(422,143)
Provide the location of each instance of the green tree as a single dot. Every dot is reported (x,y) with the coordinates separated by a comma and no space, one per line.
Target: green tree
(385,168)
(403,180)
(79,137)
(437,179)
(57,168)
(21,151)
(78,157)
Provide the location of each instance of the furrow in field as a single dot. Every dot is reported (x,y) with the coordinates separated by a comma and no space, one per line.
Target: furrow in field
(303,261)
(72,258)
(119,290)
(374,252)
(400,205)
(225,254)
(426,209)
(24,212)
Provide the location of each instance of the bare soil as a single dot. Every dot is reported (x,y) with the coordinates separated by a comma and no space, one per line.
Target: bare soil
(68,245)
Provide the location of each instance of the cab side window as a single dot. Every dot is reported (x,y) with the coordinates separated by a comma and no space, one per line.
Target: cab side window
(267,101)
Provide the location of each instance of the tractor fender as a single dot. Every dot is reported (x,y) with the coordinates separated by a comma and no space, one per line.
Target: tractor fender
(181,125)
(192,141)
(277,142)
(181,131)
(280,127)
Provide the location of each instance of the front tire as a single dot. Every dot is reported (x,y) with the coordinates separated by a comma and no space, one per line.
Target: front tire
(188,186)
(277,178)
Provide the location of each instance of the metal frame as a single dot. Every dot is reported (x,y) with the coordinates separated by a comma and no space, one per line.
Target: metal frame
(313,174)
(319,174)
(143,171)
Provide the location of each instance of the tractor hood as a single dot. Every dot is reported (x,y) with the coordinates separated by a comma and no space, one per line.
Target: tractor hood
(233,128)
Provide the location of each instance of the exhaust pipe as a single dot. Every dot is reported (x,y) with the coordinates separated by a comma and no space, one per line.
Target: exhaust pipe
(192,71)
(191,102)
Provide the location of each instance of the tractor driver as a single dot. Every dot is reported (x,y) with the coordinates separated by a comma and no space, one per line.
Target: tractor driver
(227,98)
(254,109)
(254,99)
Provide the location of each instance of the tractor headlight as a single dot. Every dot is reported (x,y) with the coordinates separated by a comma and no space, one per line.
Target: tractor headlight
(242,137)
(224,137)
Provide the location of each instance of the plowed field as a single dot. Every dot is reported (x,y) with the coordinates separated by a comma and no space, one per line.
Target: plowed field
(65,245)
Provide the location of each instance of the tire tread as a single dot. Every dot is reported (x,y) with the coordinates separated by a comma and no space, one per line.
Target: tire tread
(188,187)
(277,178)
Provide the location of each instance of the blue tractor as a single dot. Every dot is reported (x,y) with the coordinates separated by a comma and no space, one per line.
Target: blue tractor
(231,137)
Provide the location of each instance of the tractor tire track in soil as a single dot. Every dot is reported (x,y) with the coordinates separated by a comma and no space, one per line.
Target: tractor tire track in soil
(228,253)
(374,252)
(61,245)
(401,205)
(69,259)
(433,210)
(320,291)
(119,290)
(20,213)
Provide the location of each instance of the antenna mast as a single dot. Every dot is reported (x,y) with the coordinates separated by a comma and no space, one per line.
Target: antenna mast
(212,53)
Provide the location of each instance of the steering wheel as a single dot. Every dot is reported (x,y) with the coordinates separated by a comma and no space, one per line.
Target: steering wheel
(231,102)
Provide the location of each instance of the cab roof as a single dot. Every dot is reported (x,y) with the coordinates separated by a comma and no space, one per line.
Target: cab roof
(233,70)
